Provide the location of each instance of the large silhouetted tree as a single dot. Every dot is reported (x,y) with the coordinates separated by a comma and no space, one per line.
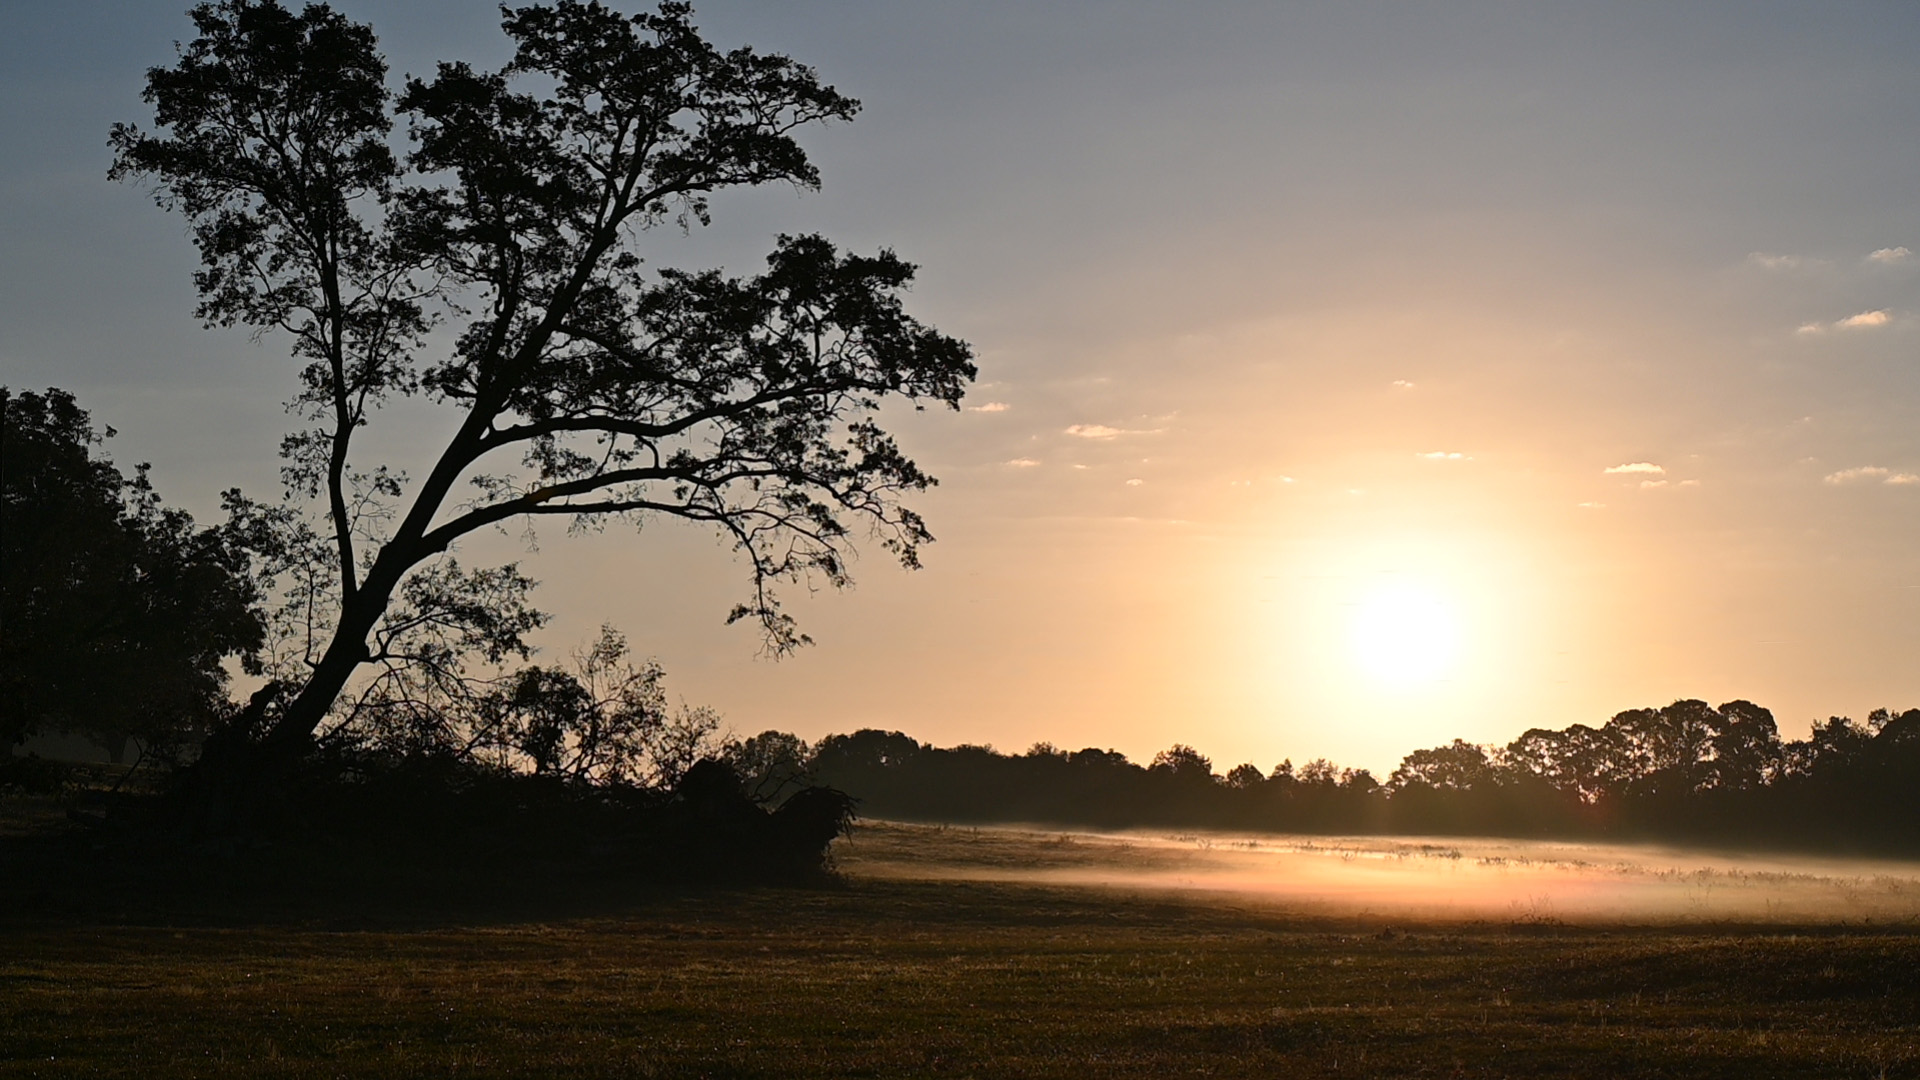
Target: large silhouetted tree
(584,383)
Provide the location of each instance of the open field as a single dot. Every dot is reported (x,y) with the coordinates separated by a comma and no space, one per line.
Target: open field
(963,968)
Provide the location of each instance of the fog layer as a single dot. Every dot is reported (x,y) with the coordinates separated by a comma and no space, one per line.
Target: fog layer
(1524,881)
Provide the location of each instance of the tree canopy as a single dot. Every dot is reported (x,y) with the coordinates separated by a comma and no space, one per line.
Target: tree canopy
(116,613)
(586,383)
(1684,771)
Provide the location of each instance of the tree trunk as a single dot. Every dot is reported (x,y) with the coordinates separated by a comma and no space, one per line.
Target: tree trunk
(309,707)
(362,608)
(344,655)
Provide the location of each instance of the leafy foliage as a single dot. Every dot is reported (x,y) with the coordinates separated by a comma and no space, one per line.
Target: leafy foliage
(1684,771)
(584,384)
(117,613)
(771,765)
(603,719)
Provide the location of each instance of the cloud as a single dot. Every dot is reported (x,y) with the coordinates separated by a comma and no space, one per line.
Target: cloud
(1872,474)
(1653,483)
(1889,256)
(1402,384)
(1775,262)
(1102,431)
(1443,455)
(1023,463)
(1135,482)
(991,406)
(1592,505)
(1631,468)
(1864,319)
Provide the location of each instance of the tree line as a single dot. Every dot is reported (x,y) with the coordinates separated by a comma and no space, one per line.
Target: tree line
(1684,772)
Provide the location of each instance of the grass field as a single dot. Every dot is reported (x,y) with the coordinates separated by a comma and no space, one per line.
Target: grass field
(897,973)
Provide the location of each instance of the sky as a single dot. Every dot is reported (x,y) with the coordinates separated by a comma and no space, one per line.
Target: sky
(1354,376)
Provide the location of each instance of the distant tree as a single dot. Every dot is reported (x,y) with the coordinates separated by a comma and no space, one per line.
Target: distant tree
(1095,758)
(1585,761)
(866,750)
(582,384)
(1184,763)
(1746,749)
(1320,772)
(1830,747)
(1902,729)
(1359,781)
(116,613)
(1459,766)
(1246,775)
(1668,749)
(771,764)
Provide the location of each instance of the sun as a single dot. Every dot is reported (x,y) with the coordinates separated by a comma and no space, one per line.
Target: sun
(1404,636)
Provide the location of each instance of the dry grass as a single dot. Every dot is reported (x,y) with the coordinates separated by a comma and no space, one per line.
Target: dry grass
(912,978)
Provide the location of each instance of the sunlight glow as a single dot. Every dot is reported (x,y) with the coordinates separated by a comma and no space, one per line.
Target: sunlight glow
(1404,636)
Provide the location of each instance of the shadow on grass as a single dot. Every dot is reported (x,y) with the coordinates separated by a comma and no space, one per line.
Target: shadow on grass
(413,847)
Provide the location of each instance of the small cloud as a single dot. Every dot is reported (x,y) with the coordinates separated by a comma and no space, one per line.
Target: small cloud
(1286,480)
(1863,320)
(1102,431)
(1689,483)
(1023,463)
(1080,466)
(1653,483)
(1889,256)
(1402,384)
(1443,455)
(1872,474)
(991,406)
(1592,505)
(1631,468)
(1775,262)
(1135,482)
